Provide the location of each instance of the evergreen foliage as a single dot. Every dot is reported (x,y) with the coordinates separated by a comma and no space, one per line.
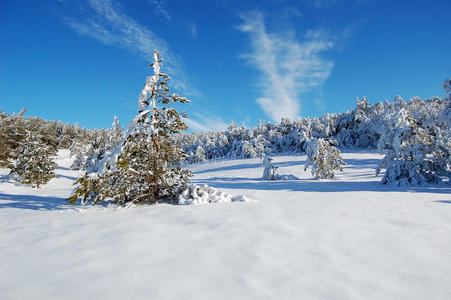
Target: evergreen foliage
(410,133)
(54,134)
(79,152)
(324,159)
(416,145)
(13,134)
(34,165)
(145,168)
(421,135)
(361,127)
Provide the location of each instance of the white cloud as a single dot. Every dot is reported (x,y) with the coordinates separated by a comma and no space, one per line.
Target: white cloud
(207,124)
(290,68)
(107,23)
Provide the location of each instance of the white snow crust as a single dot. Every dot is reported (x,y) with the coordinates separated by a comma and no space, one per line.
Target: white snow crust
(344,238)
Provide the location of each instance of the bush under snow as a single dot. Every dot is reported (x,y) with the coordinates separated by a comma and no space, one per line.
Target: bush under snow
(194,194)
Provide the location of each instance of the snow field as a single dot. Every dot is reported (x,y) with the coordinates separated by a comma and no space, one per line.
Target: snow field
(345,238)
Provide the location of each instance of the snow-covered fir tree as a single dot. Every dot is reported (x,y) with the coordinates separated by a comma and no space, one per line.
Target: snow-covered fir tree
(324,159)
(96,150)
(269,170)
(78,152)
(199,155)
(116,133)
(34,164)
(145,168)
(6,149)
(416,144)
(13,133)
(248,150)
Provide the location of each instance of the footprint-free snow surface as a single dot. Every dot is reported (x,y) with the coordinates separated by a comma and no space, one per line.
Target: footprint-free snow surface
(347,238)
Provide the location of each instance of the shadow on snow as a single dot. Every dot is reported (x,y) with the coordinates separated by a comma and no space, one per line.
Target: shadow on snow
(350,163)
(33,202)
(444,201)
(309,185)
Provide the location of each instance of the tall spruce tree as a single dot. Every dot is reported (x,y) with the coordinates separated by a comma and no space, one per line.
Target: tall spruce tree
(145,168)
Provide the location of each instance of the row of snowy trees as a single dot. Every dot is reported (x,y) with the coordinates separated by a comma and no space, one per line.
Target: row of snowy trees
(414,135)
(358,128)
(29,143)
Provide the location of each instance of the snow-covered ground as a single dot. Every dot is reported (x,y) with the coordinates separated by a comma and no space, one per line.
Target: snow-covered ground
(347,238)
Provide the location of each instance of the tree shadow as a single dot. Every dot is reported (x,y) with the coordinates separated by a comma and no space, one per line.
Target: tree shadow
(33,202)
(229,168)
(443,201)
(350,163)
(362,163)
(4,178)
(63,168)
(288,163)
(368,162)
(67,177)
(309,185)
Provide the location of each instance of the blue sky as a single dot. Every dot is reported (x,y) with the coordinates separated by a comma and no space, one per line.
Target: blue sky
(86,60)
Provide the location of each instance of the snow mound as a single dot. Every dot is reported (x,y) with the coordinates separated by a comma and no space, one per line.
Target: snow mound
(194,194)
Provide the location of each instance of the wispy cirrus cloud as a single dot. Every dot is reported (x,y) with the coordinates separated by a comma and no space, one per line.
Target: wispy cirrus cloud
(203,123)
(160,9)
(106,22)
(289,68)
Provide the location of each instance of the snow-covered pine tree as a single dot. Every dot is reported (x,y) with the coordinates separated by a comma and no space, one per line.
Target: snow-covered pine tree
(147,168)
(416,142)
(67,136)
(13,134)
(269,170)
(406,146)
(199,156)
(442,149)
(34,164)
(247,150)
(78,150)
(116,133)
(48,135)
(6,151)
(96,151)
(259,145)
(324,158)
